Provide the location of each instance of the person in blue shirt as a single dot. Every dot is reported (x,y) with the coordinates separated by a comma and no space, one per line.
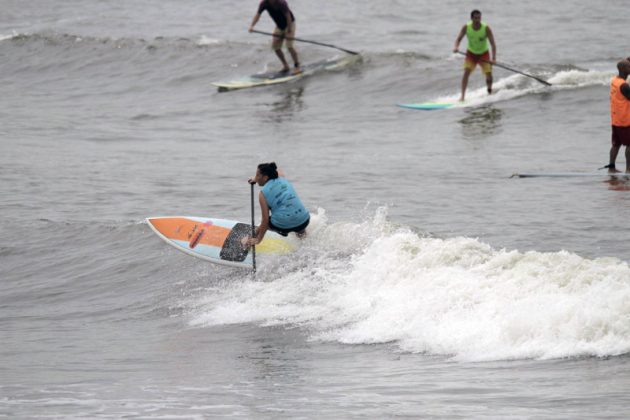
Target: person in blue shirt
(281,208)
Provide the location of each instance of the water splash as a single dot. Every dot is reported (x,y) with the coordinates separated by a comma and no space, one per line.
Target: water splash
(372,282)
(515,86)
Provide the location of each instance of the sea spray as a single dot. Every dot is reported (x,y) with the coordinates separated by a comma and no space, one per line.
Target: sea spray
(457,297)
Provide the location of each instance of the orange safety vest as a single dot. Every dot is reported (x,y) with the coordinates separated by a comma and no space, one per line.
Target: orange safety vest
(619,104)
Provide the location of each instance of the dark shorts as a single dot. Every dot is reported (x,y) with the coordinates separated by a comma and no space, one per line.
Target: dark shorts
(285,232)
(620,136)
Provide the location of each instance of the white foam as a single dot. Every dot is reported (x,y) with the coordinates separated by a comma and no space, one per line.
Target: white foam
(374,283)
(580,78)
(515,86)
(8,36)
(204,40)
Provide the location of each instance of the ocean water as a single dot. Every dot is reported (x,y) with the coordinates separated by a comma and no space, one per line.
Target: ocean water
(431,285)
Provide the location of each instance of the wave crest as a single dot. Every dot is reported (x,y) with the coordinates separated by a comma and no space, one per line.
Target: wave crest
(457,297)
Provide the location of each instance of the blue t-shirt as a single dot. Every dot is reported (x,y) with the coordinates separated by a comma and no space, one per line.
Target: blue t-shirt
(287,211)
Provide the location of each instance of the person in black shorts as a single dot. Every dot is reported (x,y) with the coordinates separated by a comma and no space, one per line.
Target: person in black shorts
(284,32)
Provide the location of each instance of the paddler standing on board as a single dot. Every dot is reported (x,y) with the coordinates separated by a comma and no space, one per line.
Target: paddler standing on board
(281,208)
(478,34)
(620,115)
(284,32)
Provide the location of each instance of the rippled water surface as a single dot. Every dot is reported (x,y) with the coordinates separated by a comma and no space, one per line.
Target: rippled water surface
(431,283)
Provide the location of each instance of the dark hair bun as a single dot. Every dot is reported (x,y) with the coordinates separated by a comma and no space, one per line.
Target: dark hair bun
(269,169)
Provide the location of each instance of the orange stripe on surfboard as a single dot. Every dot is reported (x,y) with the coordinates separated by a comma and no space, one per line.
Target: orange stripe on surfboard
(195,233)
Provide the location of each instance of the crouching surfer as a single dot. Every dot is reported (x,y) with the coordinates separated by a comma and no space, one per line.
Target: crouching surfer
(281,208)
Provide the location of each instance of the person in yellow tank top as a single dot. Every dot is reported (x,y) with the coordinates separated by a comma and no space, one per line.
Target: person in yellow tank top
(478,34)
(620,115)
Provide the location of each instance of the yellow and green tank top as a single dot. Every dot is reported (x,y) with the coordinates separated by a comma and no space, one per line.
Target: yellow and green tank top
(477,40)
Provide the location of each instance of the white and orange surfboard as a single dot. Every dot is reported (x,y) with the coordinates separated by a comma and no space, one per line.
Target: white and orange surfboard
(217,240)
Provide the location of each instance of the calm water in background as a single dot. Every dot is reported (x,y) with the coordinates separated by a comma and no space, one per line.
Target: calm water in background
(431,285)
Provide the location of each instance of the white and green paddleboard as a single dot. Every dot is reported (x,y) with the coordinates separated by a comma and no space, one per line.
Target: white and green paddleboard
(429,106)
(273,78)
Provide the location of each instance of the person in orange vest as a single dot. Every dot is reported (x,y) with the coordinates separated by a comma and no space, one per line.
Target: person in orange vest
(620,115)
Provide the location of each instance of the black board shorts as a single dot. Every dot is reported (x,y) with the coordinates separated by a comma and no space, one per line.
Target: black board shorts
(285,232)
(620,136)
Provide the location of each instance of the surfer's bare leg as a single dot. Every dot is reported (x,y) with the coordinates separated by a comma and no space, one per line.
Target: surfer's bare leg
(489,82)
(285,65)
(464,84)
(294,55)
(289,43)
(614,150)
(628,159)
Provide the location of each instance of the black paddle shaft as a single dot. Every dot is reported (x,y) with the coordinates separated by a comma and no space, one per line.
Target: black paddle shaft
(305,40)
(253,232)
(503,66)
